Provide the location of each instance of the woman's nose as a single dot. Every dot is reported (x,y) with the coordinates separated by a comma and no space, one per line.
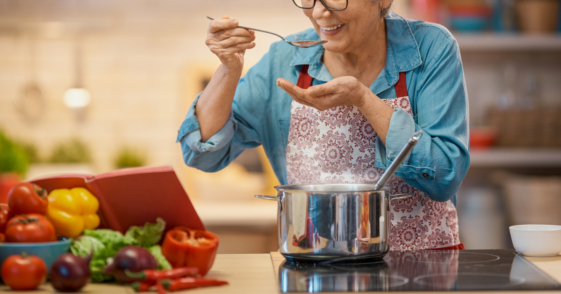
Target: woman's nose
(320,11)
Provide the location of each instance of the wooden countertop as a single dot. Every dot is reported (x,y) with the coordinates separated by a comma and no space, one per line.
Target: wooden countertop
(257,273)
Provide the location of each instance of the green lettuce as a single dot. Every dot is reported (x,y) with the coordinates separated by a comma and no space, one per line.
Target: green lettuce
(148,235)
(105,243)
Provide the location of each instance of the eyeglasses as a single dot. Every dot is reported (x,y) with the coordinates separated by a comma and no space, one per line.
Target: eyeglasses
(335,5)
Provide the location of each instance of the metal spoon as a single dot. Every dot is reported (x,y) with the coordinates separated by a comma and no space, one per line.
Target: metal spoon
(301,44)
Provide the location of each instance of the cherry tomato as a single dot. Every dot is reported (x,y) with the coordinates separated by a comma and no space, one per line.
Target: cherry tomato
(27,198)
(4,217)
(2,238)
(30,228)
(22,272)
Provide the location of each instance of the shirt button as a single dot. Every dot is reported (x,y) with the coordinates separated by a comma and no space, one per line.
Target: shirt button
(426,175)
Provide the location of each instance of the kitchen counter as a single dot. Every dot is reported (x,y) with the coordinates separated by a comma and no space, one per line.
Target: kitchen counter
(257,273)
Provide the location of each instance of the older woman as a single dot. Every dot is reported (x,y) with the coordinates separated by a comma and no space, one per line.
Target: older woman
(341,112)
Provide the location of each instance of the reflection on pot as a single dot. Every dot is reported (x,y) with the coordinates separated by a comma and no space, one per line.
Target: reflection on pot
(313,278)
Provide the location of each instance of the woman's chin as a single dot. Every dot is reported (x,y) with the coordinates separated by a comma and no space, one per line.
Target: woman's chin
(334,46)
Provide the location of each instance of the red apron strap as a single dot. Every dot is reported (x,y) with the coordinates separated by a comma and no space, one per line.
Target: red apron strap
(401,86)
(304,80)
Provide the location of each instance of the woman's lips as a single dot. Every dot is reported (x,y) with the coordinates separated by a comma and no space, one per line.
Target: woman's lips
(332,32)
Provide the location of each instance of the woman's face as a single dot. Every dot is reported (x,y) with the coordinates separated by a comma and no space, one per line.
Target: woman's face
(348,29)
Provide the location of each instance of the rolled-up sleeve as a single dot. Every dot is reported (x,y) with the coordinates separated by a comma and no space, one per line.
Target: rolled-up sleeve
(190,134)
(440,160)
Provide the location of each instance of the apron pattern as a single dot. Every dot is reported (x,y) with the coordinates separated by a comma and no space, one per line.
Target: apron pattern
(339,146)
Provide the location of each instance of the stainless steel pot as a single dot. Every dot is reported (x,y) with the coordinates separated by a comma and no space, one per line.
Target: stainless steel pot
(332,222)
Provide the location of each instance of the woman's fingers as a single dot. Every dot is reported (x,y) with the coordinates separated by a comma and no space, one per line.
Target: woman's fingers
(222,24)
(321,97)
(321,90)
(229,33)
(233,41)
(233,49)
(297,93)
(288,86)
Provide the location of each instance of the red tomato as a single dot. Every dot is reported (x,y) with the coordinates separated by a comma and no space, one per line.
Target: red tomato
(3,218)
(7,181)
(27,198)
(23,272)
(30,228)
(2,238)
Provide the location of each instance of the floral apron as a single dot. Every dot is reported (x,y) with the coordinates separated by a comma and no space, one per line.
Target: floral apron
(338,145)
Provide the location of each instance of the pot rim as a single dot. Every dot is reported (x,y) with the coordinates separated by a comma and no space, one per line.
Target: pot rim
(331,188)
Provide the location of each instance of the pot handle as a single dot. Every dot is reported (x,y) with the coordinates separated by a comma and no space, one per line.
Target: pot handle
(399,196)
(267,197)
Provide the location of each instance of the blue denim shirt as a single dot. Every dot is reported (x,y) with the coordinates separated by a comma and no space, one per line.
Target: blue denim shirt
(426,52)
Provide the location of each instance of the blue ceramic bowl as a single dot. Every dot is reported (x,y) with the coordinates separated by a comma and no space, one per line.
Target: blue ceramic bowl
(468,23)
(48,251)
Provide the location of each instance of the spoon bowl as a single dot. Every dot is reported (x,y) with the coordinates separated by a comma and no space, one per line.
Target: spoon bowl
(301,44)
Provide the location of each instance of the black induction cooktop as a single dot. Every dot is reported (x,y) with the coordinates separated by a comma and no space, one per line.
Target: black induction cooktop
(429,270)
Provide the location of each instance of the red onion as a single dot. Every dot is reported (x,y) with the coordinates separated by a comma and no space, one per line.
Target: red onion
(133,258)
(69,273)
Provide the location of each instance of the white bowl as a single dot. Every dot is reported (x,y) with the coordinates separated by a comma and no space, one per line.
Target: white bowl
(536,240)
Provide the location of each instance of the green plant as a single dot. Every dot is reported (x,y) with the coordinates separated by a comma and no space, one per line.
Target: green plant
(12,156)
(31,151)
(128,157)
(71,151)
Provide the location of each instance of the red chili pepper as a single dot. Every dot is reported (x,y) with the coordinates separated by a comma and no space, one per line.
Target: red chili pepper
(189,283)
(160,288)
(184,247)
(155,275)
(142,286)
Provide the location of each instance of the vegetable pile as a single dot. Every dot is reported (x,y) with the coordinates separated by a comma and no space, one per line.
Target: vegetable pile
(34,216)
(105,244)
(99,255)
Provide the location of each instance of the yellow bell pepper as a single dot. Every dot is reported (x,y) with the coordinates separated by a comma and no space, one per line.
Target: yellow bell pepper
(72,211)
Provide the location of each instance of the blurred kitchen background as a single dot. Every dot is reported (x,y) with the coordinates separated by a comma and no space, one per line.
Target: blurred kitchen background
(95,85)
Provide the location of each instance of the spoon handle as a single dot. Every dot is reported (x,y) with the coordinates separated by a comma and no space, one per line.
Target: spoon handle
(254,29)
(398,160)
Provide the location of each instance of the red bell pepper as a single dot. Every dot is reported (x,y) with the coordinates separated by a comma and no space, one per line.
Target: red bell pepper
(184,247)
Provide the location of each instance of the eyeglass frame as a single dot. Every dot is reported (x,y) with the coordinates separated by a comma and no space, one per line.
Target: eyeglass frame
(324,5)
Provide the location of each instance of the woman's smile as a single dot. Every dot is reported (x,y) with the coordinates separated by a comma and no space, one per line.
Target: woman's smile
(332,30)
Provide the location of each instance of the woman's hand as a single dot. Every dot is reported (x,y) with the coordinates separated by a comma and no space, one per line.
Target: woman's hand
(337,92)
(344,91)
(229,42)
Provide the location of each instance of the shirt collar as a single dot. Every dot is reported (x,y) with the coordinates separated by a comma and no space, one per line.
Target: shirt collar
(403,53)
